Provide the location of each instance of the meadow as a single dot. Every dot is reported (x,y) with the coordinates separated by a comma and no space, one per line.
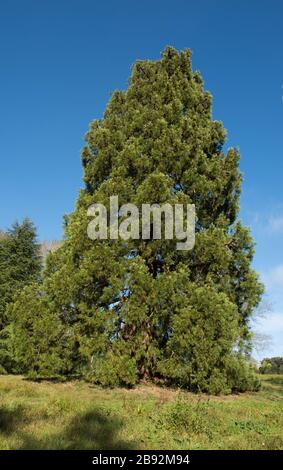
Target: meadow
(77,415)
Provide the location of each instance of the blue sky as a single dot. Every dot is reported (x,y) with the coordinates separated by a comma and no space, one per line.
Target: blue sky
(61,60)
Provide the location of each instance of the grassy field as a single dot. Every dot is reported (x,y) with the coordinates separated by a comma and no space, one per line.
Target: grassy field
(77,415)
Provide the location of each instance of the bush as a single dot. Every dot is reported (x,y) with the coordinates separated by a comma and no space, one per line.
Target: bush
(113,370)
(241,375)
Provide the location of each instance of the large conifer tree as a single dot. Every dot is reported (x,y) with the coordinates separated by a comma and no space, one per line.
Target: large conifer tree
(140,308)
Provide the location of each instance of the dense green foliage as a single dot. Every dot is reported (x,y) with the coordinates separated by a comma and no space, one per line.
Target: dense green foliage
(272,365)
(20,265)
(118,311)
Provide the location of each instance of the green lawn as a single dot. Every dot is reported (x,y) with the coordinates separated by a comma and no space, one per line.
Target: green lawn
(77,415)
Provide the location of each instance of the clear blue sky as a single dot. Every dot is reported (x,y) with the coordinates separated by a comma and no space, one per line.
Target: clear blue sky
(61,60)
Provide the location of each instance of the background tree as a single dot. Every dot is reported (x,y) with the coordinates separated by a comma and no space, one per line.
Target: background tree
(140,308)
(260,341)
(20,265)
(272,365)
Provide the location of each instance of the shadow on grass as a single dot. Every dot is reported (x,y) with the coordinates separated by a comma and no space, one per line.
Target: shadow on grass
(52,380)
(11,418)
(89,430)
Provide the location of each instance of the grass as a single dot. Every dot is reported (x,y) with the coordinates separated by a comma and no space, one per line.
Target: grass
(77,415)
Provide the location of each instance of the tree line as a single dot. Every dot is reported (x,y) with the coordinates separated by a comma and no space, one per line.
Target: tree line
(271,365)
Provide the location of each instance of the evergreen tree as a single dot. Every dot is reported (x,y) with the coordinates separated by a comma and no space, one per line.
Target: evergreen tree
(20,264)
(140,308)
